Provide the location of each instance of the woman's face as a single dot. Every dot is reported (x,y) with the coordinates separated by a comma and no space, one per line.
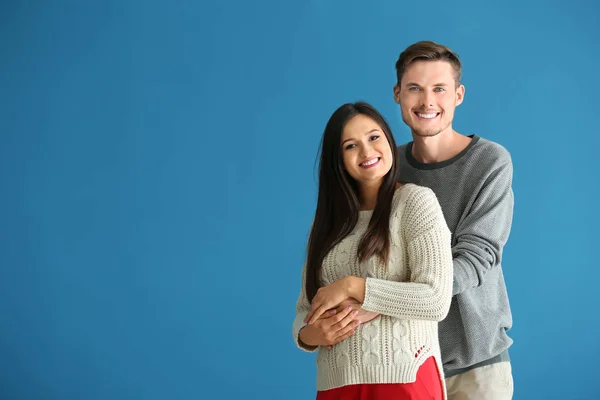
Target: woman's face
(366,152)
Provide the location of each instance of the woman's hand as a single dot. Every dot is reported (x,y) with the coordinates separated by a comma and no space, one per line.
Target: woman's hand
(363,316)
(331,296)
(330,329)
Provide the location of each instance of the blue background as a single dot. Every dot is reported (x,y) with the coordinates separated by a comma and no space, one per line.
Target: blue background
(157,183)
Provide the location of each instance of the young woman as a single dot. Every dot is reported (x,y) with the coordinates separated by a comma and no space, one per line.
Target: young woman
(378,273)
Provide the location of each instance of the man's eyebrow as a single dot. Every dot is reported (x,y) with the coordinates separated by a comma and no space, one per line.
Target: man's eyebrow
(416,84)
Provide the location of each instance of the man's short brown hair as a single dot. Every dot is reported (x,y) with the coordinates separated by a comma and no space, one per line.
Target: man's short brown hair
(427,50)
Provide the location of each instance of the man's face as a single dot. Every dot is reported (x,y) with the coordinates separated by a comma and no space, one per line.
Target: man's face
(428,94)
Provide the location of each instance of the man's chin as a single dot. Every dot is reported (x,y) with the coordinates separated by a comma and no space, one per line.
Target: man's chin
(426,134)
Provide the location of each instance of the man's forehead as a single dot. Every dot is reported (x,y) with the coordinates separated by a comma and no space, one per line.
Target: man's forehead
(429,70)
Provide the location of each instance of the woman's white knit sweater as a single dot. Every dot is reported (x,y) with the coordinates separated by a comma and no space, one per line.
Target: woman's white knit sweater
(411,293)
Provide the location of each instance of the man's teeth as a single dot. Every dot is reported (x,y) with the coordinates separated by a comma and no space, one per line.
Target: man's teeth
(428,116)
(373,161)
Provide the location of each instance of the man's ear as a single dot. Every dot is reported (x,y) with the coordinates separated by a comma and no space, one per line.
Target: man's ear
(460,95)
(397,94)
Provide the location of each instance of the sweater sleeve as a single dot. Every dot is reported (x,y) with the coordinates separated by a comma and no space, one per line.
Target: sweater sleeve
(302,309)
(483,232)
(428,294)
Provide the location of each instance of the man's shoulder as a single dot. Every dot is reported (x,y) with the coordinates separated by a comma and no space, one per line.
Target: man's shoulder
(493,151)
(402,148)
(401,154)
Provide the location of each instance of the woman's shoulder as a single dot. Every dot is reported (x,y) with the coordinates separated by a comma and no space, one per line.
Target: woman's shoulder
(413,195)
(418,210)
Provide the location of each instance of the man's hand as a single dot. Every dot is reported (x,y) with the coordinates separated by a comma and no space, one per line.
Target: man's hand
(331,329)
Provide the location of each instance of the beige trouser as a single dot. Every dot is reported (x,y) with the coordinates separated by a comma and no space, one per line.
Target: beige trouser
(490,382)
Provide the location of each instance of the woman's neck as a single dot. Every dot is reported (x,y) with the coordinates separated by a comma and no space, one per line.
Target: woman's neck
(367,193)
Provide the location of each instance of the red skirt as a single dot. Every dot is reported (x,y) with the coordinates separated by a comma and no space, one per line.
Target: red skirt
(428,386)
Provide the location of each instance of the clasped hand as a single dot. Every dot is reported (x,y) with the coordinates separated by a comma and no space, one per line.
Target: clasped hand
(334,315)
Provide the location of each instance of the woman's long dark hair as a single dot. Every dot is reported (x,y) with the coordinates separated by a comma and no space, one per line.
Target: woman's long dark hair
(338,204)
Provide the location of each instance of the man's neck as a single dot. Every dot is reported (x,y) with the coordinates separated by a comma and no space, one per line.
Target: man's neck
(441,147)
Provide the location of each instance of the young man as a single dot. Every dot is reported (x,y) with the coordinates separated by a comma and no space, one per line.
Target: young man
(472,178)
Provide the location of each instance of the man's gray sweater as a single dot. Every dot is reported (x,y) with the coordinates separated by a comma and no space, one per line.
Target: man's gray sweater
(474,189)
